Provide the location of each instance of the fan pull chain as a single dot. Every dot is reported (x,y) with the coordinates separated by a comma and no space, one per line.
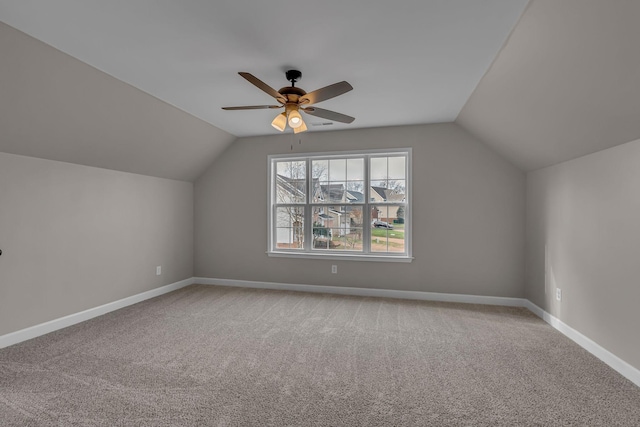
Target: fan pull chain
(299,143)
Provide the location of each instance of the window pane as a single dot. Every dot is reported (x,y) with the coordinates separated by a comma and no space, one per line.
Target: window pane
(337,227)
(378,168)
(329,192)
(388,179)
(378,241)
(337,169)
(320,170)
(355,192)
(290,191)
(291,183)
(355,169)
(397,169)
(319,195)
(290,227)
(335,191)
(353,228)
(323,220)
(378,193)
(337,239)
(390,191)
(387,228)
(320,174)
(353,240)
(398,187)
(291,169)
(283,217)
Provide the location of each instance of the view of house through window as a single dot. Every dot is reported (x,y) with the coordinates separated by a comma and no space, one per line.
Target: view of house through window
(354,203)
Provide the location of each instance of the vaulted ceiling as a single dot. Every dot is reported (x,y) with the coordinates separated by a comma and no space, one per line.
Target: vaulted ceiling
(410,62)
(566,83)
(140,85)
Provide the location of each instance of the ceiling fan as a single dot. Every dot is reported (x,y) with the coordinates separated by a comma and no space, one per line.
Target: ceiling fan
(294,100)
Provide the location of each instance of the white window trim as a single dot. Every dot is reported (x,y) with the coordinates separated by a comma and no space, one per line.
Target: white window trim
(309,253)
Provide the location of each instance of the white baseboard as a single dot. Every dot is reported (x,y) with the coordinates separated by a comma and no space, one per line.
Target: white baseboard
(366,292)
(72,319)
(622,367)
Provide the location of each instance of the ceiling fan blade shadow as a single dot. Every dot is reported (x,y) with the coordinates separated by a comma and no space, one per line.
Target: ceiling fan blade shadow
(252,107)
(325,93)
(262,86)
(328,114)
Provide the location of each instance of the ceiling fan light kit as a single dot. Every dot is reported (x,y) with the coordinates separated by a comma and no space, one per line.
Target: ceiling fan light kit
(294,100)
(301,128)
(295,119)
(280,122)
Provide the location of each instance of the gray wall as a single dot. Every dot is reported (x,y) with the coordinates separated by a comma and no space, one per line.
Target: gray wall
(76,237)
(468,215)
(583,236)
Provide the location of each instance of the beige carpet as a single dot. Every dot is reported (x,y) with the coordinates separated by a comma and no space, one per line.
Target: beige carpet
(217,356)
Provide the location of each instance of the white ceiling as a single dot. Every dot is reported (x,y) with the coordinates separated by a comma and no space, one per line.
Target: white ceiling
(410,61)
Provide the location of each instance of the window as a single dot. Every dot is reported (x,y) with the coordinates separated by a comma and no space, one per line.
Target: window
(346,205)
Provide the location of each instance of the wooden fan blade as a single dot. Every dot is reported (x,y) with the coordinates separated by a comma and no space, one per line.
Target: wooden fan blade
(328,114)
(325,93)
(262,86)
(252,107)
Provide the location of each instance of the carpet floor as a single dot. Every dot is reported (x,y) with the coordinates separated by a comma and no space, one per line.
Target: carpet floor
(220,356)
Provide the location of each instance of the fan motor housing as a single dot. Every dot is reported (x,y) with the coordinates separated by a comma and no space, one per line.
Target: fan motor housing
(292,93)
(291,90)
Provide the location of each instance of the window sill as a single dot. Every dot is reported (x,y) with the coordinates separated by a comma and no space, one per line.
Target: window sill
(341,257)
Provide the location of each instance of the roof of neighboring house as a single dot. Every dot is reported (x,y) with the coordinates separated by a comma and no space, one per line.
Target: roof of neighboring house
(334,191)
(354,196)
(381,191)
(388,194)
(294,186)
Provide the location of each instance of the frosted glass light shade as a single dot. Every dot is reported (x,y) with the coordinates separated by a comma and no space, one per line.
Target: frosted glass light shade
(280,122)
(295,119)
(301,128)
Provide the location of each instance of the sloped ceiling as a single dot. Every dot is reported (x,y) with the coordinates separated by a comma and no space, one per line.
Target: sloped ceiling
(55,107)
(138,85)
(566,83)
(563,85)
(410,62)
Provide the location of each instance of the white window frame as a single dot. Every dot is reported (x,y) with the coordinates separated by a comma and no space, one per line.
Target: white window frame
(308,251)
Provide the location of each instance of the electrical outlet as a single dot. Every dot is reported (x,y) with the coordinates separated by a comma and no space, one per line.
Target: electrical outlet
(158,270)
(334,269)
(559,294)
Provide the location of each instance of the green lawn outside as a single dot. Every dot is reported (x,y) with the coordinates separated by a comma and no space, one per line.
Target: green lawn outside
(383,232)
